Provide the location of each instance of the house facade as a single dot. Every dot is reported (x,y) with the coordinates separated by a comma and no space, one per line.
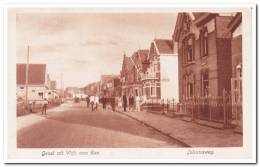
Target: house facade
(235,27)
(110,85)
(204,51)
(92,88)
(131,74)
(38,82)
(160,80)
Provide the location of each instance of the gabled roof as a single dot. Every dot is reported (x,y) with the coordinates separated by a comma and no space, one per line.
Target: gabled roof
(126,65)
(203,18)
(164,46)
(140,59)
(143,54)
(36,74)
(197,14)
(200,18)
(235,21)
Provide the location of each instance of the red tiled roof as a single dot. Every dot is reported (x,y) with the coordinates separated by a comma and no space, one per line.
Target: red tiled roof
(36,74)
(164,46)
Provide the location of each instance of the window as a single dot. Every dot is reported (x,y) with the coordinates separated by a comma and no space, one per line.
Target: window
(204,42)
(190,88)
(239,70)
(188,49)
(40,94)
(205,83)
(189,85)
(136,92)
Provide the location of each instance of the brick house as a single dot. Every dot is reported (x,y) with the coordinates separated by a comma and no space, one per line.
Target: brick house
(158,81)
(235,27)
(204,50)
(92,89)
(110,85)
(132,69)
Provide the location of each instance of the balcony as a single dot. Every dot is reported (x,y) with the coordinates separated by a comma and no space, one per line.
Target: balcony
(150,77)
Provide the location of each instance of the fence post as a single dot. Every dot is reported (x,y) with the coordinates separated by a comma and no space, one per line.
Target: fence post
(209,105)
(224,107)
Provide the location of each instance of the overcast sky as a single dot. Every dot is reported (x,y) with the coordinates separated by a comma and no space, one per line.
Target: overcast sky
(82,46)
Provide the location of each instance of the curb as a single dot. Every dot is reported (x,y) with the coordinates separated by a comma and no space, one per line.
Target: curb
(156,129)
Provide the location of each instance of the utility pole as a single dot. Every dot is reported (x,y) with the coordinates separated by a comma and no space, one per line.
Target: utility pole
(27,75)
(61,84)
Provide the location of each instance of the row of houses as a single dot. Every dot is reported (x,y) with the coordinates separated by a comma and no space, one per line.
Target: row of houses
(109,85)
(202,58)
(151,73)
(39,85)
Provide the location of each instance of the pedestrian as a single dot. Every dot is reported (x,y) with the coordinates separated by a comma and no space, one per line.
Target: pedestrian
(131,102)
(96,100)
(124,102)
(92,102)
(88,101)
(113,103)
(104,101)
(119,102)
(45,105)
(138,103)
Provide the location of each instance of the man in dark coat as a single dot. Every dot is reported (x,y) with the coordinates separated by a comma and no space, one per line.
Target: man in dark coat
(88,101)
(124,102)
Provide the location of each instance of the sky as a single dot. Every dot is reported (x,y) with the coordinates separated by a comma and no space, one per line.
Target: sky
(84,45)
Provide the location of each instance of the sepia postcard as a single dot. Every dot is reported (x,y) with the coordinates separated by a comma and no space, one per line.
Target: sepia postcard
(130,84)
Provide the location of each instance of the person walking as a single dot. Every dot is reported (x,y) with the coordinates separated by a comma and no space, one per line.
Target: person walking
(132,101)
(92,102)
(138,103)
(124,102)
(104,101)
(96,102)
(88,101)
(45,105)
(113,103)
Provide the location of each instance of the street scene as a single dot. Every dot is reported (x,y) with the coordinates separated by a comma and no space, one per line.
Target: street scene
(129,80)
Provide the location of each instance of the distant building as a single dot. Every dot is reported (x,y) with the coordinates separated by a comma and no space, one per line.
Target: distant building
(204,51)
(92,88)
(160,79)
(38,81)
(71,91)
(110,85)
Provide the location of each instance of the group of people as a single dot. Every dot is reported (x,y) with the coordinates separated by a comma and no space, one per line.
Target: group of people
(92,101)
(133,103)
(129,103)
